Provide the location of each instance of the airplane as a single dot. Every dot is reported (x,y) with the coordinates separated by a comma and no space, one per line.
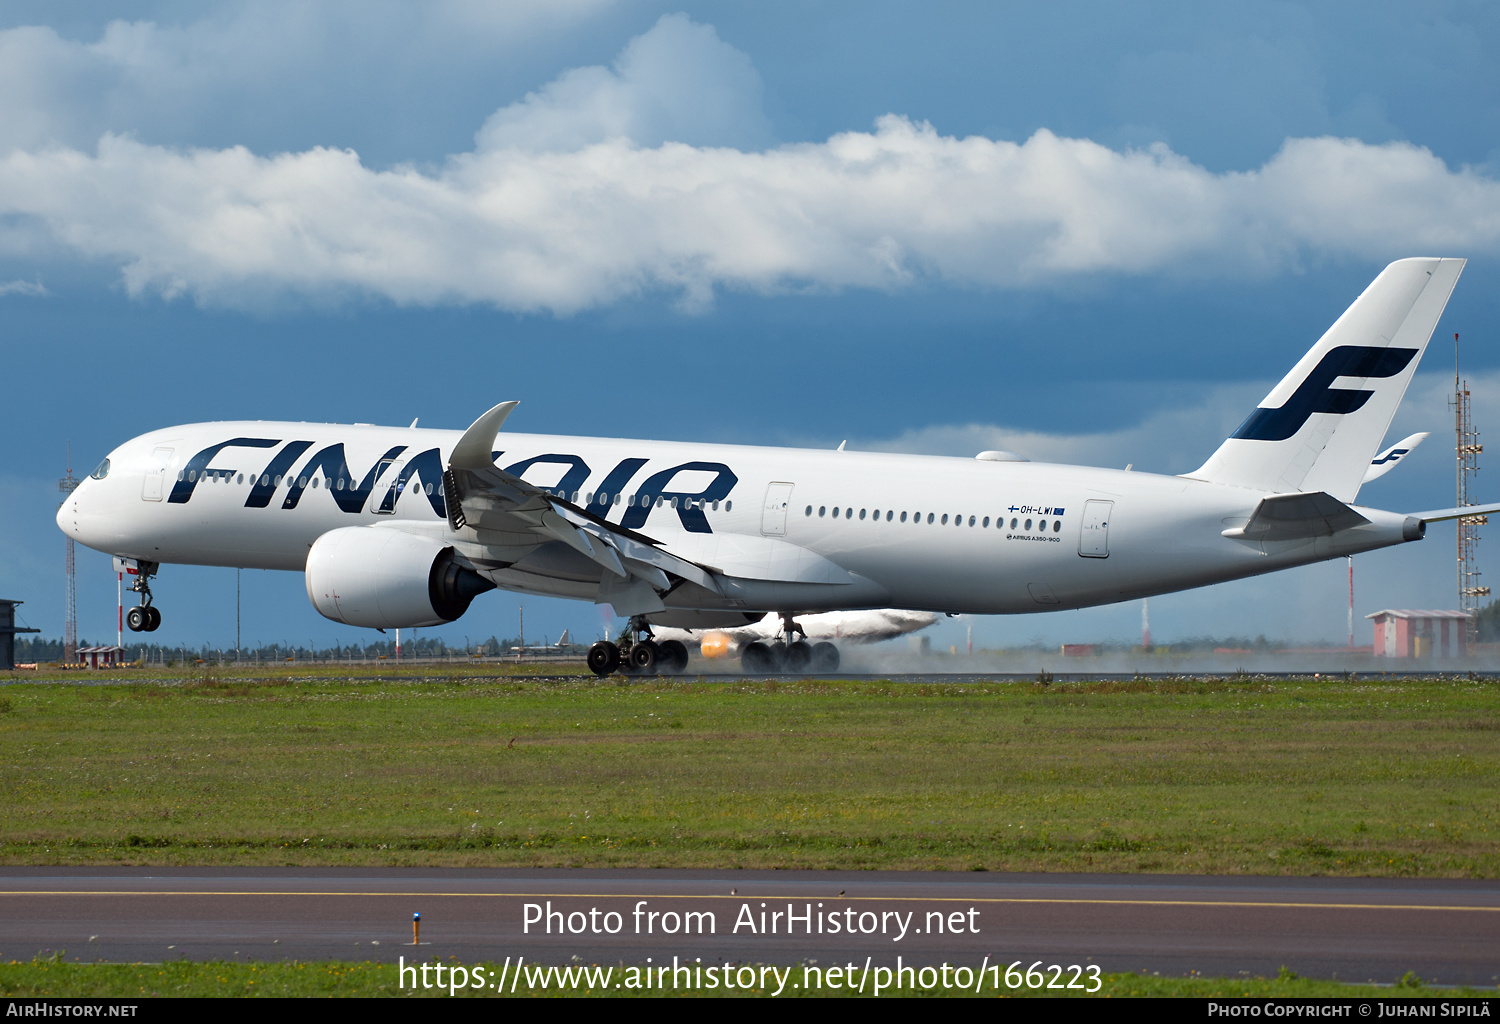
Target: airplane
(403,527)
(858,627)
(563,643)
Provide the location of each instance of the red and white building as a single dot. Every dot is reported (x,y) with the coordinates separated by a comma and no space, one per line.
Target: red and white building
(1420,633)
(101,657)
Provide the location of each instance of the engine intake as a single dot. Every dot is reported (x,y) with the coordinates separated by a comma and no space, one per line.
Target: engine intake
(388,579)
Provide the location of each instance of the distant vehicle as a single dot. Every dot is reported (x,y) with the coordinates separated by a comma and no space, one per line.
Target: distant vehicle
(400,527)
(862,627)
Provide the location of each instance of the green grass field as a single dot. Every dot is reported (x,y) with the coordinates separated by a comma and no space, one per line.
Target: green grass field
(55,977)
(1303,777)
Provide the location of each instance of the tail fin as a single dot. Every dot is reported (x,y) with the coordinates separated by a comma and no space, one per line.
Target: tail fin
(1308,435)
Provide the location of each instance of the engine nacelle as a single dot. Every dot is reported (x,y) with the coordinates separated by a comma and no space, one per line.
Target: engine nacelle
(388,579)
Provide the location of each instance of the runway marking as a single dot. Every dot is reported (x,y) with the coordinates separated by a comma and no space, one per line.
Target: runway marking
(712,896)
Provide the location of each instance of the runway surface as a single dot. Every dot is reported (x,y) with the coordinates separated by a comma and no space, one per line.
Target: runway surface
(1448,931)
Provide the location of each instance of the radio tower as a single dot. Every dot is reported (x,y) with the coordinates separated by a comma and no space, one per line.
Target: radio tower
(70,608)
(1468,449)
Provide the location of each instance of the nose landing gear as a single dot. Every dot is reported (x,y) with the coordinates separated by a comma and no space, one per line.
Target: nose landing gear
(145,617)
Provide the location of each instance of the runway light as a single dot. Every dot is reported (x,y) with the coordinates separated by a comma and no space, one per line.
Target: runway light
(416,925)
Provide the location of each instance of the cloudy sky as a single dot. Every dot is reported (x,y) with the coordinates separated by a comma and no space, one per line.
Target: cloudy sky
(1090,232)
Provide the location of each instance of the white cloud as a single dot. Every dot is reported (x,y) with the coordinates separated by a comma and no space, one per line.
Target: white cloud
(582,194)
(33,288)
(678,82)
(261,66)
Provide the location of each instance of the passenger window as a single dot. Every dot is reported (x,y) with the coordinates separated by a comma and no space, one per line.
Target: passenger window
(986,522)
(945,519)
(903,517)
(1057,526)
(930,517)
(809,509)
(302,481)
(341,483)
(315,485)
(1042,526)
(240,479)
(888,514)
(1013,524)
(1028,524)
(875,514)
(835,511)
(674,502)
(971,520)
(822,509)
(716,508)
(861,513)
(728,505)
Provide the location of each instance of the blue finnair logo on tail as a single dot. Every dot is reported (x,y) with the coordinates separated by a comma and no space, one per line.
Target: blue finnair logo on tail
(1315,395)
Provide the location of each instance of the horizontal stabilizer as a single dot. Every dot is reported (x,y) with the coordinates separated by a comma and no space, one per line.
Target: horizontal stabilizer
(1438,515)
(1386,460)
(1297,517)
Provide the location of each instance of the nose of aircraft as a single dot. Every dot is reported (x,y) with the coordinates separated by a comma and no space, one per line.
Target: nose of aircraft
(67,516)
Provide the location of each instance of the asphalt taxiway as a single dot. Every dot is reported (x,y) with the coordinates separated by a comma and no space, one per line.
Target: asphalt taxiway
(1448,931)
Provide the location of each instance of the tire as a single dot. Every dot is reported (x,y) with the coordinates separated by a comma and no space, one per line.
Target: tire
(825,658)
(644,657)
(777,655)
(799,656)
(153,615)
(137,619)
(672,657)
(604,658)
(755,657)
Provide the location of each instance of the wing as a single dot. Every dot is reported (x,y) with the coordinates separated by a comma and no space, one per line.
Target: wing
(511,518)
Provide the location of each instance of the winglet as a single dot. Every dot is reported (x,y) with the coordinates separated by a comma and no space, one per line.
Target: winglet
(473,449)
(1386,460)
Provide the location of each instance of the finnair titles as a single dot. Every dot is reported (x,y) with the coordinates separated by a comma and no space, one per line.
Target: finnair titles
(397,527)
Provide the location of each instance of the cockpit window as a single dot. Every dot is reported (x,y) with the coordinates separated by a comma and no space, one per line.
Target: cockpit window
(101,472)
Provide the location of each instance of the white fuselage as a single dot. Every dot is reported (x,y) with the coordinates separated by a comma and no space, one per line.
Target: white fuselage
(934,533)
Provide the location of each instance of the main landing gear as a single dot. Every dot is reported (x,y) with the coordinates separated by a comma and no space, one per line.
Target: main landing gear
(144,617)
(638,654)
(787,655)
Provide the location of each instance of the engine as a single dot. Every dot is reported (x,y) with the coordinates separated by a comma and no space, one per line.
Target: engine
(388,579)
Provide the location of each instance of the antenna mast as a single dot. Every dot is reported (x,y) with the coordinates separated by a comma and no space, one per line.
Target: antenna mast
(1467,448)
(70,602)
